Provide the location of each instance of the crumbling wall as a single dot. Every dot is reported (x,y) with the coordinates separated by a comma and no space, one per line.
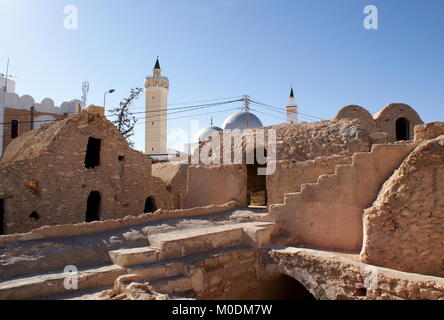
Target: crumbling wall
(216,184)
(429,131)
(174,176)
(404,230)
(299,142)
(48,165)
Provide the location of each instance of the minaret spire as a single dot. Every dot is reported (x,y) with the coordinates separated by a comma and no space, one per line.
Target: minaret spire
(292,108)
(157,65)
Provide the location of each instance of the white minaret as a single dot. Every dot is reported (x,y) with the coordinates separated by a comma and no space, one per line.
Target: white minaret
(156,107)
(292,109)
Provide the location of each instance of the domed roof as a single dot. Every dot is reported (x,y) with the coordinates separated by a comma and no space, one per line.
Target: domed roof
(205,132)
(239,121)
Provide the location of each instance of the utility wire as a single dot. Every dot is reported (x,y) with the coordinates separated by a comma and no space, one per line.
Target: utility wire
(182,117)
(280,112)
(182,109)
(267,105)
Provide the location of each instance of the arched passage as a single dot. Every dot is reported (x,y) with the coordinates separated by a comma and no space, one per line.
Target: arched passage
(150,205)
(281,287)
(402,129)
(93,207)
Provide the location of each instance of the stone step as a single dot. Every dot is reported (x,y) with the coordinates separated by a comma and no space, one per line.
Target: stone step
(170,245)
(181,266)
(134,256)
(51,284)
(182,243)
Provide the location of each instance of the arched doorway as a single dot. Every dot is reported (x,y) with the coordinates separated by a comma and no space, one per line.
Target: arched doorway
(256,183)
(150,205)
(281,287)
(93,207)
(402,129)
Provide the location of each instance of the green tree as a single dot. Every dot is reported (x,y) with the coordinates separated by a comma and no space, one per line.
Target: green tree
(125,121)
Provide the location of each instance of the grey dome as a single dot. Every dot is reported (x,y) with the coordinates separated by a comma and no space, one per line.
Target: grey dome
(204,133)
(239,121)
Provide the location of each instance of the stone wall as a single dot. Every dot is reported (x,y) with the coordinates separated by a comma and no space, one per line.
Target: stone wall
(404,228)
(51,184)
(290,175)
(174,176)
(429,131)
(216,184)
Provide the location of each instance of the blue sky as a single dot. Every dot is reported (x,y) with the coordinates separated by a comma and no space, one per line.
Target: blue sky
(213,49)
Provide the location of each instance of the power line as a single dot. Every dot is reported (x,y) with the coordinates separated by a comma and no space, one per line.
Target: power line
(182,117)
(306,115)
(280,112)
(196,101)
(280,118)
(187,108)
(180,110)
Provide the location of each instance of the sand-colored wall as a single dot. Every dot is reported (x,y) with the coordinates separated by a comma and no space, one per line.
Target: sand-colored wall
(174,175)
(387,117)
(404,228)
(328,214)
(216,184)
(290,175)
(429,131)
(44,172)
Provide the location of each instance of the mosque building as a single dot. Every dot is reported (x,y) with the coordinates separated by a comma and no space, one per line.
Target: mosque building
(156,118)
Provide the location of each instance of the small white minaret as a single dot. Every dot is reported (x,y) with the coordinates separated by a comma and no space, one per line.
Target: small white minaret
(292,109)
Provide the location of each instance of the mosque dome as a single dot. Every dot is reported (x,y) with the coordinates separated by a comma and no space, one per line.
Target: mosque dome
(239,121)
(205,132)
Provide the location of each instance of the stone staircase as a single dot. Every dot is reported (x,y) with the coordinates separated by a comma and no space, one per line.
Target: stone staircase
(174,263)
(328,213)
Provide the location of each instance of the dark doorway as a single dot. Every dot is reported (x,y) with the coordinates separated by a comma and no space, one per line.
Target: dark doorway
(2,217)
(14,129)
(256,183)
(281,287)
(92,158)
(402,129)
(93,207)
(150,205)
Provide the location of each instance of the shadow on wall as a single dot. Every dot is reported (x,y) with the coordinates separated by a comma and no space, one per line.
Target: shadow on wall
(281,287)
